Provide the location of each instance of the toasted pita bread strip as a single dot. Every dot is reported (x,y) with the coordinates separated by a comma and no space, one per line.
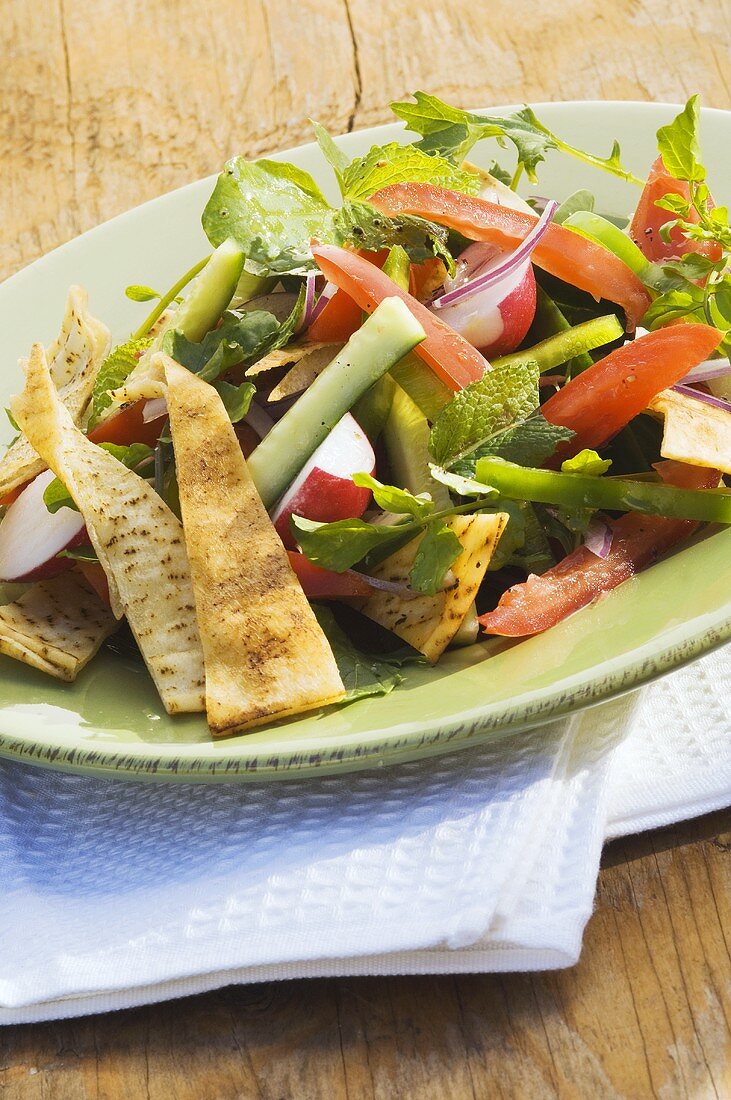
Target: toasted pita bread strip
(75,357)
(137,539)
(288,357)
(305,370)
(56,626)
(429,623)
(695,432)
(265,653)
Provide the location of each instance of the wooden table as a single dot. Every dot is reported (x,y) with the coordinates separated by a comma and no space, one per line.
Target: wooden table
(106,104)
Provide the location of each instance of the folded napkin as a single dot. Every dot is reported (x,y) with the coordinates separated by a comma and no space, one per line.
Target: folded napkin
(115,894)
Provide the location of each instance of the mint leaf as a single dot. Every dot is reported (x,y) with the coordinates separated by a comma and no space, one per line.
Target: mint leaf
(272,210)
(395,163)
(586,462)
(393,499)
(363,226)
(364,674)
(332,152)
(529,443)
(437,552)
(57,496)
(504,396)
(341,545)
(236,399)
(679,146)
(112,374)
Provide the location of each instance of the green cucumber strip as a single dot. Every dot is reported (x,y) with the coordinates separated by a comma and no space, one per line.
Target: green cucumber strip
(422,385)
(558,349)
(211,292)
(389,333)
(597,228)
(406,437)
(252,286)
(614,494)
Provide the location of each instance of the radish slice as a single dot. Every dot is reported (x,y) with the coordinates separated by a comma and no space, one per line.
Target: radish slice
(31,536)
(325,490)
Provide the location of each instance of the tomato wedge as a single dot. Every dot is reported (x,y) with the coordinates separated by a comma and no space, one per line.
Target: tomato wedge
(637,541)
(569,256)
(127,426)
(341,316)
(324,584)
(451,358)
(648,219)
(96,577)
(606,396)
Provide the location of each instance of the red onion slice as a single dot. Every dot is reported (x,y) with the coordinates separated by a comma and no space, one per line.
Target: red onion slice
(154,409)
(397,589)
(598,538)
(505,268)
(327,293)
(707,398)
(712,368)
(306,319)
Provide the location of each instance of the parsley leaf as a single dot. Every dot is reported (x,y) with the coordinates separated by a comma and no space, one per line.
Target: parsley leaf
(451,132)
(341,545)
(586,462)
(679,146)
(236,399)
(393,499)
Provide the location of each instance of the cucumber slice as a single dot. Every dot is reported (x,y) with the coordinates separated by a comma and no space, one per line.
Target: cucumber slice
(389,333)
(210,293)
(252,286)
(406,437)
(422,386)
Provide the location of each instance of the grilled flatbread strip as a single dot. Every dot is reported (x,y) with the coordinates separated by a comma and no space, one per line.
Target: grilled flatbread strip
(74,357)
(429,623)
(265,654)
(137,539)
(56,626)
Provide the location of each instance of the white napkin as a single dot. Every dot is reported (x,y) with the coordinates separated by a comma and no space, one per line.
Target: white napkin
(116,894)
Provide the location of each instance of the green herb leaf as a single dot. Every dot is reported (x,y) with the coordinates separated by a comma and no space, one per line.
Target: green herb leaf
(395,163)
(13,422)
(79,553)
(113,373)
(341,545)
(579,200)
(437,552)
(393,499)
(332,152)
(586,462)
(272,210)
(240,338)
(364,674)
(678,144)
(360,224)
(236,399)
(141,293)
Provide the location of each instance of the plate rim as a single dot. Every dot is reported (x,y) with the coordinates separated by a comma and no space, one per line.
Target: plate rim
(184,762)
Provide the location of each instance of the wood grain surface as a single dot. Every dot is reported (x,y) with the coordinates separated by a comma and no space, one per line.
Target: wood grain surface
(109,103)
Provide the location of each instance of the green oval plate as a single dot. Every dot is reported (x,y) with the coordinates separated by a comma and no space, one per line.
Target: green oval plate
(110,721)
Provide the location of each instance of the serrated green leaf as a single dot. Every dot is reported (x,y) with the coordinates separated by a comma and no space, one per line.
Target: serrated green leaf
(679,146)
(384,165)
(113,373)
(363,226)
(437,552)
(364,674)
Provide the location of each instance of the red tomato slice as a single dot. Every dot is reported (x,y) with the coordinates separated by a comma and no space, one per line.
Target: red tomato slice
(12,495)
(648,218)
(605,397)
(342,316)
(451,358)
(324,584)
(569,256)
(541,602)
(127,426)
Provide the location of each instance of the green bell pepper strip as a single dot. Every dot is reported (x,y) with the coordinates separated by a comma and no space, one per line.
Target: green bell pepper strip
(597,228)
(559,349)
(613,494)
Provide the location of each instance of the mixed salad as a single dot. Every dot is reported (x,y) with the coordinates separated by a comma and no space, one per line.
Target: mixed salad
(353,436)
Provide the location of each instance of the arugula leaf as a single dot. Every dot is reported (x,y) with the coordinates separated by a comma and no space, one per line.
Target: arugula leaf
(364,674)
(451,132)
(393,499)
(332,152)
(437,552)
(341,545)
(113,373)
(236,399)
(57,496)
(272,210)
(396,163)
(586,462)
(679,146)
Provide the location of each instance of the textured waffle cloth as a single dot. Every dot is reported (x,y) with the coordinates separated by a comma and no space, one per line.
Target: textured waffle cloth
(114,894)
